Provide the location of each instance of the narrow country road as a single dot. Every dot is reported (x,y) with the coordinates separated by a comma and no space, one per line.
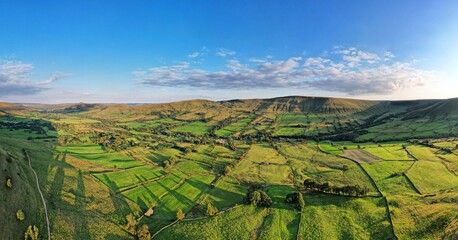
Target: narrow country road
(41,194)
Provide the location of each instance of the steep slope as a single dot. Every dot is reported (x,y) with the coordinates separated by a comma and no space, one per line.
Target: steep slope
(436,109)
(21,196)
(220,110)
(319,105)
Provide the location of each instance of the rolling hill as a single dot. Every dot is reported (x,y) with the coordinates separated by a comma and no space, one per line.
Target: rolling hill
(363,169)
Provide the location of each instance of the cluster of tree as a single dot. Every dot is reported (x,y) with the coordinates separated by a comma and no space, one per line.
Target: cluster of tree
(31,233)
(326,187)
(33,125)
(257,197)
(113,141)
(296,198)
(169,162)
(259,136)
(211,210)
(142,232)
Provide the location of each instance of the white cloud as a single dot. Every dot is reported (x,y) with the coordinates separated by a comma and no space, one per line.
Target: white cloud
(257,60)
(14,79)
(55,77)
(222,52)
(194,54)
(351,71)
(316,61)
(388,56)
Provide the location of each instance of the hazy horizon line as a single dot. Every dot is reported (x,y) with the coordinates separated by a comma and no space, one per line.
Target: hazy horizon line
(225,100)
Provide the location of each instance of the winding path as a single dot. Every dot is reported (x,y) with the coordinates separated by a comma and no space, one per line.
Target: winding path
(41,194)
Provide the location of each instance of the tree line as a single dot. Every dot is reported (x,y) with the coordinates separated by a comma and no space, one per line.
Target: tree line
(326,187)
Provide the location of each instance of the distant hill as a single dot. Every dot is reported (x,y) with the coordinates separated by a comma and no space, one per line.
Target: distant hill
(11,108)
(439,108)
(209,109)
(316,105)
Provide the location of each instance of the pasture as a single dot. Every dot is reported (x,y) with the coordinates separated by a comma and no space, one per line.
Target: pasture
(129,177)
(337,217)
(430,177)
(196,128)
(95,172)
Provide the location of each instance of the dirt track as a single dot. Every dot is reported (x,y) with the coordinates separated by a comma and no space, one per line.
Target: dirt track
(41,194)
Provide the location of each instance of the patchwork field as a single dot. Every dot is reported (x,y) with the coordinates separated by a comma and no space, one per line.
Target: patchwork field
(245,169)
(331,217)
(132,176)
(430,177)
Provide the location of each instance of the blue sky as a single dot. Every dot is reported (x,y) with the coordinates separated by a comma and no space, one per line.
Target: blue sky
(160,51)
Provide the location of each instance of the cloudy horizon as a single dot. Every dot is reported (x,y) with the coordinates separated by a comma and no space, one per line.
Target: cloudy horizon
(213,52)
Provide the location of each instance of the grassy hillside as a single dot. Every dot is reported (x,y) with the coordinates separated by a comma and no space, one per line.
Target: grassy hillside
(365,169)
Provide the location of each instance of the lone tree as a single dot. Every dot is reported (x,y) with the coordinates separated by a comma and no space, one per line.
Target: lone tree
(143,232)
(20,215)
(31,233)
(180,214)
(211,210)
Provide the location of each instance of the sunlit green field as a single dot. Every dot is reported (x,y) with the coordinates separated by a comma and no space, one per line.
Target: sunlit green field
(98,171)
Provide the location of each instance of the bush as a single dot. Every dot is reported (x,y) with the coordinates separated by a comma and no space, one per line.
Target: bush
(211,210)
(9,184)
(20,215)
(143,232)
(180,214)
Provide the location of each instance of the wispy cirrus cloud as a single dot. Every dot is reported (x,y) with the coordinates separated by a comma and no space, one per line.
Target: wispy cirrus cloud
(345,70)
(14,79)
(194,54)
(223,52)
(55,77)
